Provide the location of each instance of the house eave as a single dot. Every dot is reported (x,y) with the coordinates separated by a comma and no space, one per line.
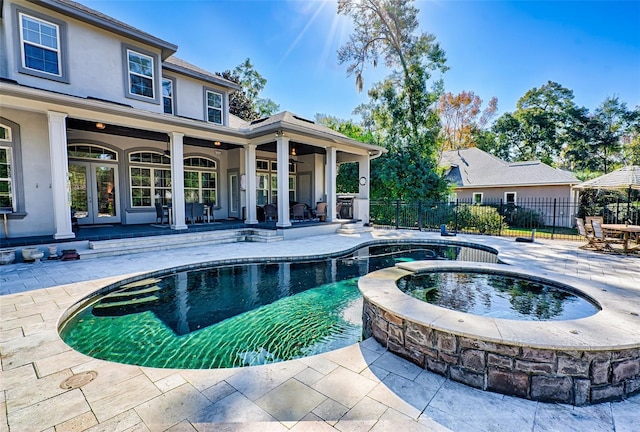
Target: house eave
(211,80)
(484,186)
(165,47)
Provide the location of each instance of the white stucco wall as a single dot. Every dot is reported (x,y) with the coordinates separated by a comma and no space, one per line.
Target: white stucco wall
(36,173)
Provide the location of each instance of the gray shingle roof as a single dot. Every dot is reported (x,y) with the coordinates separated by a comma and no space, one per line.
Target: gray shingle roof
(86,14)
(473,167)
(181,66)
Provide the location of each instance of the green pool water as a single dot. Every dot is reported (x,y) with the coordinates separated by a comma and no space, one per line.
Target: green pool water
(239,315)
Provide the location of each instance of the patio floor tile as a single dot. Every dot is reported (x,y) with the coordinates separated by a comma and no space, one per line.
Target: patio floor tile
(260,380)
(345,386)
(290,401)
(50,412)
(115,398)
(596,418)
(233,409)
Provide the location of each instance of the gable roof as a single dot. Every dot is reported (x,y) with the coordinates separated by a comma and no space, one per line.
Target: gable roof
(178,65)
(472,168)
(91,16)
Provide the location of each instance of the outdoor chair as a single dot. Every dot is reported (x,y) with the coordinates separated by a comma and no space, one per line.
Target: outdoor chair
(299,211)
(592,242)
(608,242)
(161,213)
(270,212)
(197,212)
(321,211)
(587,222)
(188,212)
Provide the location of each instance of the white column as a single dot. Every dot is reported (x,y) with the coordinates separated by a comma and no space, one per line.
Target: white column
(60,186)
(361,204)
(177,180)
(250,184)
(282,145)
(331,174)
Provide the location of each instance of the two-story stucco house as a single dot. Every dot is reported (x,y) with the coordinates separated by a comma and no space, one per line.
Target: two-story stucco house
(100,120)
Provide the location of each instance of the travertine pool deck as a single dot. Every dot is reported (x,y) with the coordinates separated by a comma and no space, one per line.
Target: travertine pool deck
(359,388)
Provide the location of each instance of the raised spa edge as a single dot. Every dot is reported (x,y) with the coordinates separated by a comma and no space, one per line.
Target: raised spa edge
(579,362)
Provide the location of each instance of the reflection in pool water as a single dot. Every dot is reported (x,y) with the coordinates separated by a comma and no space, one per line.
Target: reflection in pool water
(237,315)
(497,295)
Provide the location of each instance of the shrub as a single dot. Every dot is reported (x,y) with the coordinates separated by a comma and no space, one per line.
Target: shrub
(485,219)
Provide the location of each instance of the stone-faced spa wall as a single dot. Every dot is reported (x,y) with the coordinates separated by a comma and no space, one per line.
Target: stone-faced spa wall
(577,377)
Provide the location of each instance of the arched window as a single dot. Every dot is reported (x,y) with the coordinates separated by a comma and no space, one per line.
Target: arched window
(6,181)
(200,180)
(90,151)
(150,178)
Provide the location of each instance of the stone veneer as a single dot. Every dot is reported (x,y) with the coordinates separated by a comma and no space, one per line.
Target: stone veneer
(558,372)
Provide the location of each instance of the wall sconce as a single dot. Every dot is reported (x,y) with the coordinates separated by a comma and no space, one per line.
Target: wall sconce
(100,126)
(216,143)
(279,134)
(293,151)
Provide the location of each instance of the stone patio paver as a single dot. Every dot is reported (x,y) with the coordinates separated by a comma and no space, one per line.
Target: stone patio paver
(361,387)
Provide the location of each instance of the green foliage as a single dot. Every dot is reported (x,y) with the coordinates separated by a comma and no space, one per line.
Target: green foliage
(522,217)
(401,111)
(484,219)
(246,103)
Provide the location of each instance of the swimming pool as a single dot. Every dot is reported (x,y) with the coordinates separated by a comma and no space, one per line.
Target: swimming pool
(239,314)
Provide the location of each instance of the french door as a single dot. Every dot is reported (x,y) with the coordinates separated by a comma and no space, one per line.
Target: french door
(95,196)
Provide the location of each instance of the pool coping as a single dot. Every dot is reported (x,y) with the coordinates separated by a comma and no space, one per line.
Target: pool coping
(510,356)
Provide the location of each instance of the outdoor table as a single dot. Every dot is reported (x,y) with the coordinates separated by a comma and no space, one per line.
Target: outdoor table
(626,231)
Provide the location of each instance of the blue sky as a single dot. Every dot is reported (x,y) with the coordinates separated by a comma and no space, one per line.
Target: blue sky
(494,48)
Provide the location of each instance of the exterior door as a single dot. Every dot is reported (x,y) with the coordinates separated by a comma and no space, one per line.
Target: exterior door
(234,194)
(304,189)
(94,192)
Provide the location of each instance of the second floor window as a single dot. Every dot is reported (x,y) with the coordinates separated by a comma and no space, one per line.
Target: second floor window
(40,45)
(214,107)
(167,95)
(140,74)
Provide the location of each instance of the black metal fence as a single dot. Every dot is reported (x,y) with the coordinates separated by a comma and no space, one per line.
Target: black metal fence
(551,217)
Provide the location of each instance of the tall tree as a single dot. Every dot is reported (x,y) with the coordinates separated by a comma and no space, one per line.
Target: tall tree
(247,103)
(539,127)
(402,107)
(599,142)
(463,118)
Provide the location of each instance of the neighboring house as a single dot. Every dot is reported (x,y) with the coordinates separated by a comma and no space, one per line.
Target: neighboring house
(101,119)
(482,178)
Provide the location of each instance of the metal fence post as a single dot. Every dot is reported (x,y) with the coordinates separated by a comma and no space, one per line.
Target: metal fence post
(553,228)
(419,215)
(397,213)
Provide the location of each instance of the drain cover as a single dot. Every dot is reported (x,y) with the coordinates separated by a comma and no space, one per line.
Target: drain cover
(78,380)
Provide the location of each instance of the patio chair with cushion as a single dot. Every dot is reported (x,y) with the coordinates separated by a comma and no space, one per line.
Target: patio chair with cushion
(608,242)
(188,212)
(321,211)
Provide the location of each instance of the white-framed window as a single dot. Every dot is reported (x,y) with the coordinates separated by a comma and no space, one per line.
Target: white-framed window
(510,198)
(267,182)
(262,189)
(88,151)
(141,74)
(200,180)
(150,179)
(6,181)
(40,45)
(5,133)
(214,106)
(167,96)
(477,197)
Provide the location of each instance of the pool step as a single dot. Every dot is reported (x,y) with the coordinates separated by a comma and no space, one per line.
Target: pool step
(124,294)
(125,303)
(105,248)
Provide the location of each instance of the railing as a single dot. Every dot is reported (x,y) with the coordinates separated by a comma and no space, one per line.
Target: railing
(551,217)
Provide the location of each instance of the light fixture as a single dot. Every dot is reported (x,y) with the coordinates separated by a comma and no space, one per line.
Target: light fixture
(100,126)
(216,143)
(279,133)
(293,151)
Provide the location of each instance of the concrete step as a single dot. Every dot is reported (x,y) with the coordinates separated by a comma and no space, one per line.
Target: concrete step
(106,248)
(353,228)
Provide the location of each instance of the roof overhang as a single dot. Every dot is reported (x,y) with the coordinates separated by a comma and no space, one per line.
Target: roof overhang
(106,23)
